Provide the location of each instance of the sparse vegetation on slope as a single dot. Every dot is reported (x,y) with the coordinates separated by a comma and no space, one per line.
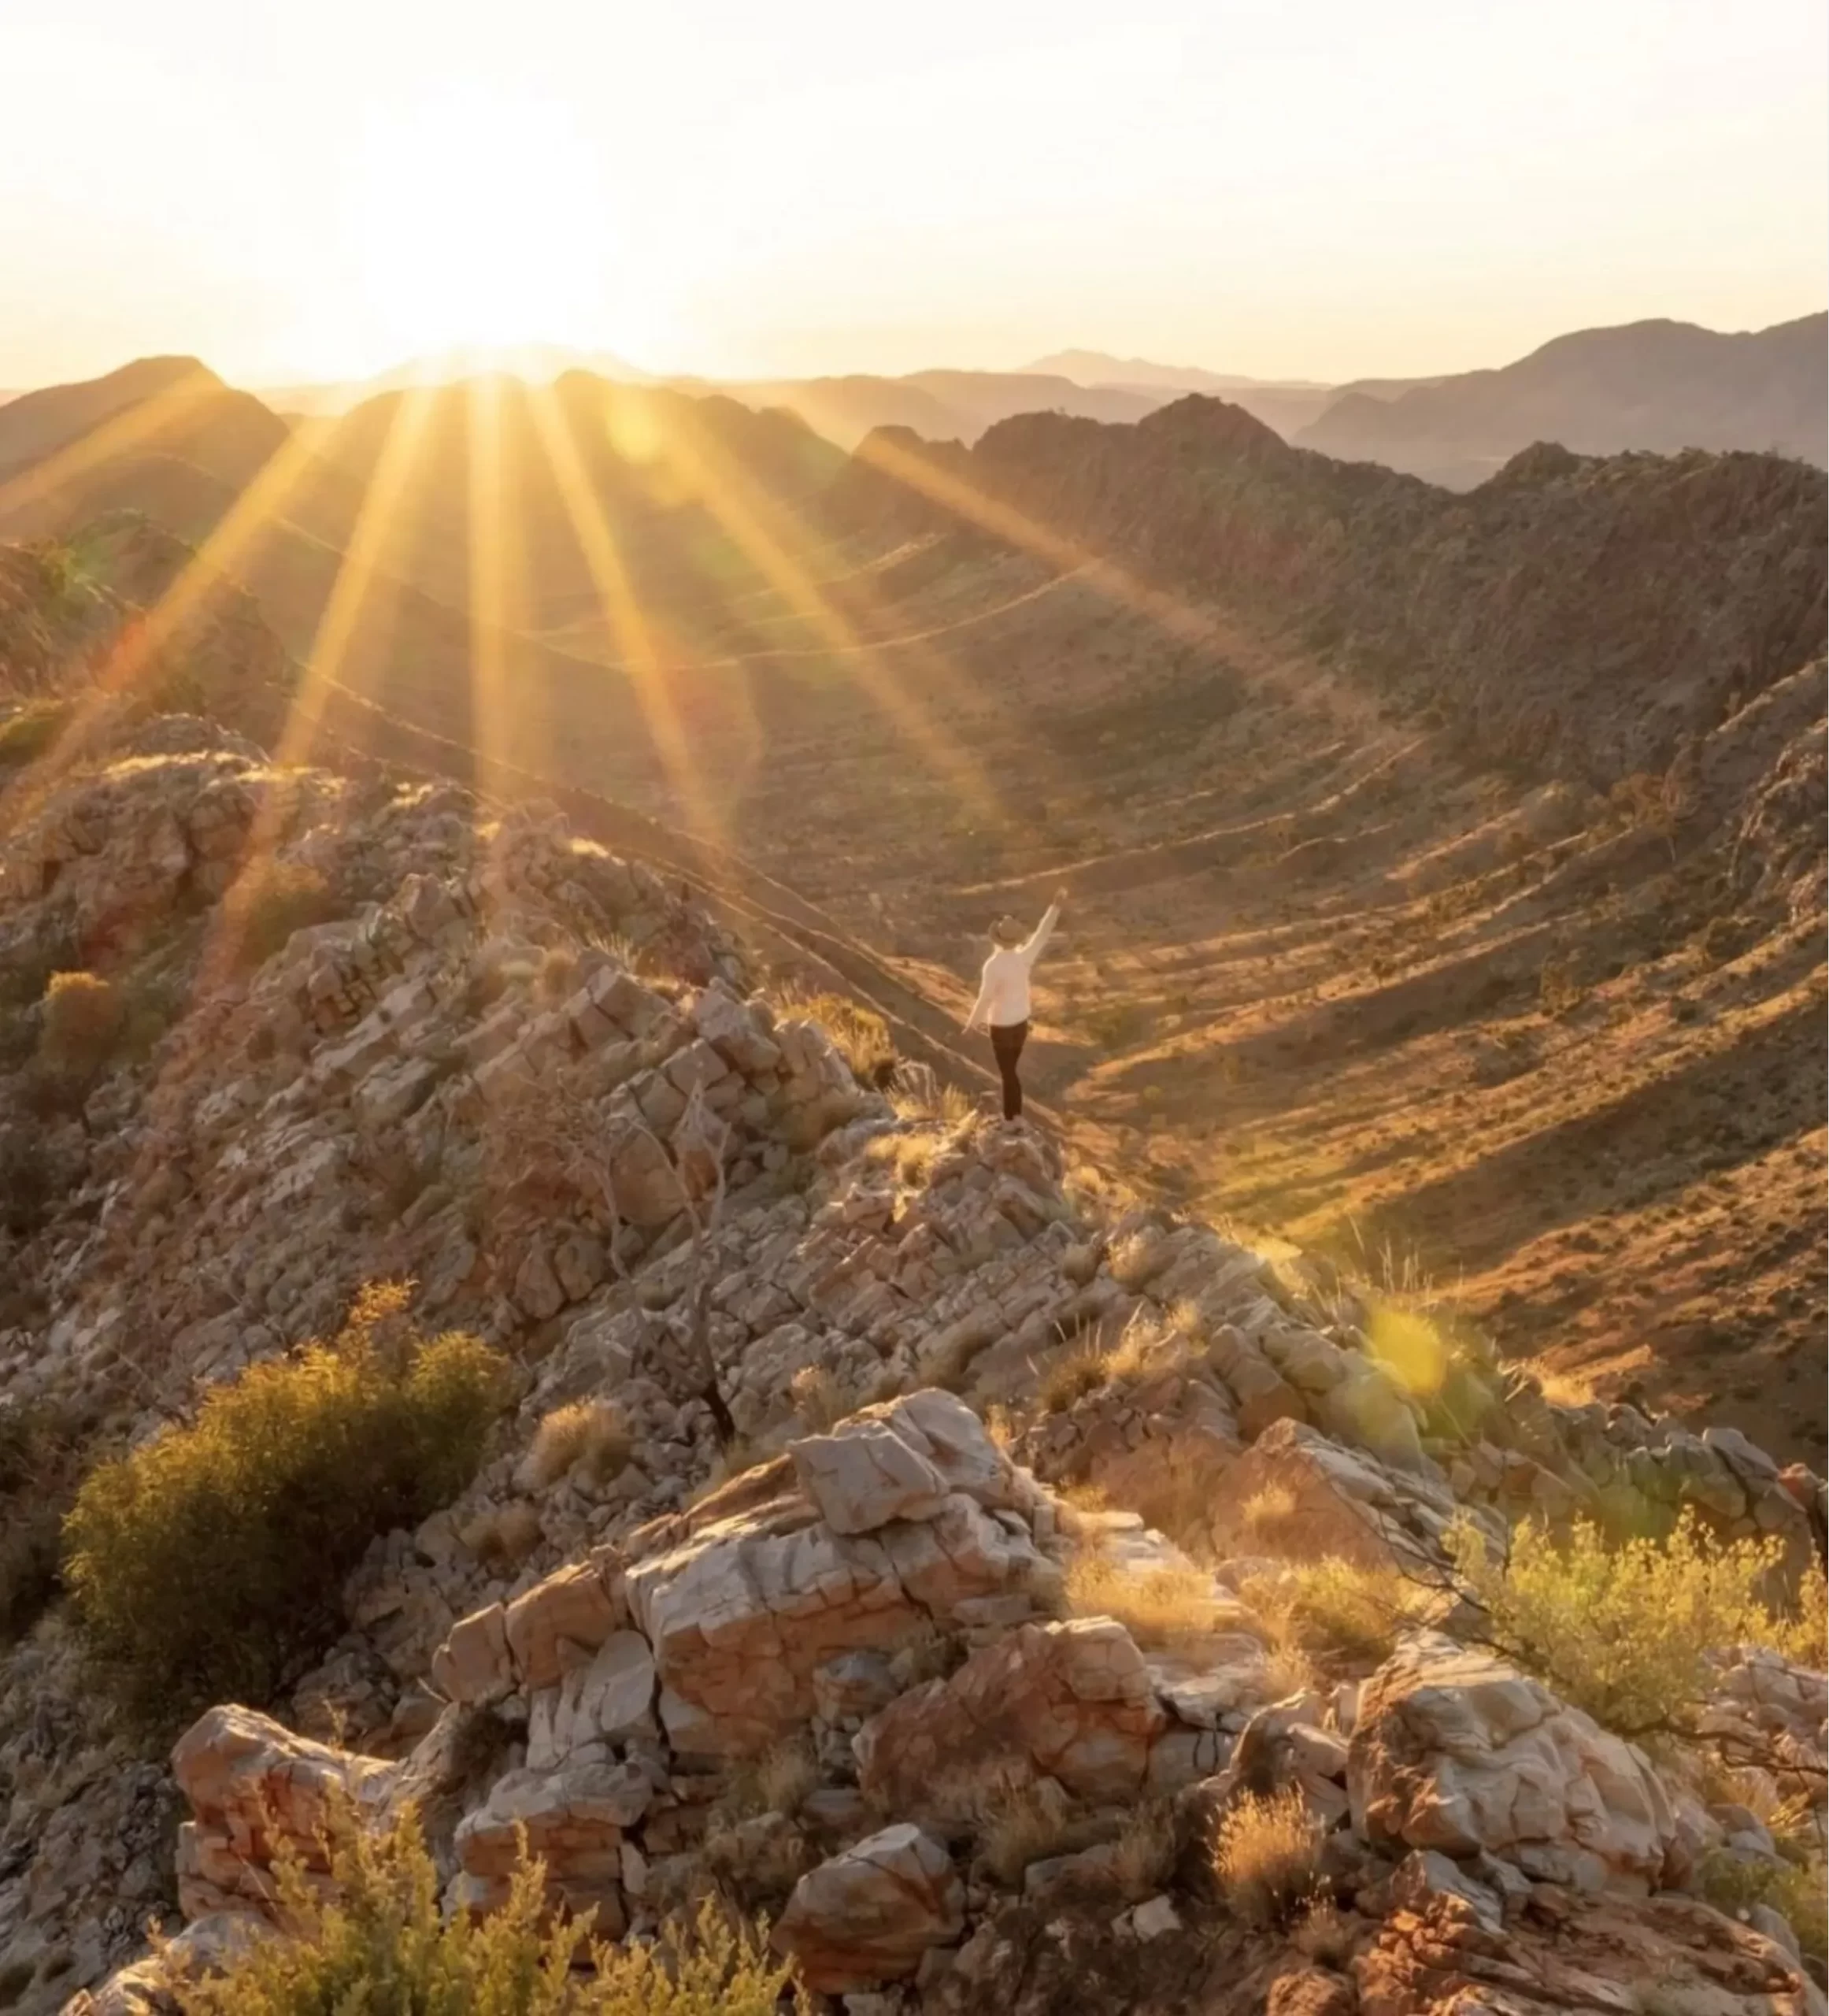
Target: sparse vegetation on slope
(376,1940)
(209,1562)
(1626,1631)
(1266,1855)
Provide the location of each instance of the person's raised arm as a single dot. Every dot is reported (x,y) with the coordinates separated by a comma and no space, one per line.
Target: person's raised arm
(1044,930)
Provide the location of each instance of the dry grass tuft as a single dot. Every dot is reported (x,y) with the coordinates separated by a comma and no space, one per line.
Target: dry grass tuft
(1266,1856)
(1337,1614)
(1143,1855)
(786,1776)
(1325,1935)
(1171,1488)
(920,1097)
(594,1433)
(1135,1259)
(1071,1377)
(1288,1670)
(1566,1389)
(859,1035)
(1020,1824)
(81,1022)
(503,1535)
(1264,1510)
(1139,1351)
(821,1399)
(1160,1607)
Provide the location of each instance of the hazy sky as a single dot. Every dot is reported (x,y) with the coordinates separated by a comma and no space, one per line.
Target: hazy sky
(1318,188)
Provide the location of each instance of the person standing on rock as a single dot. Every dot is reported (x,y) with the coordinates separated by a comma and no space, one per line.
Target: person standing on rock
(1003,1005)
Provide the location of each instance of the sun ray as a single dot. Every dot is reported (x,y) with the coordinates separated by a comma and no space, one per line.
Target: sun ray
(495,587)
(1176,618)
(734,499)
(133,426)
(318,675)
(186,596)
(634,641)
(376,521)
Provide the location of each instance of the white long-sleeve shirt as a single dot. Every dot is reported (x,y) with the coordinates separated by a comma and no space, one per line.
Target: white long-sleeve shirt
(1003,994)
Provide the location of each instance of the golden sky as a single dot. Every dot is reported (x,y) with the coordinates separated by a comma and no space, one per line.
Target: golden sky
(1323,190)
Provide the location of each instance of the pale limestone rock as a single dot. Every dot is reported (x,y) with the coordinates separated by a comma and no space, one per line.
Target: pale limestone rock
(573,1820)
(732,1028)
(1457,1751)
(739,1622)
(575,1606)
(474,1664)
(1297,1495)
(645,1184)
(867,1916)
(865,1475)
(252,1785)
(208,1945)
(1070,1701)
(609,1700)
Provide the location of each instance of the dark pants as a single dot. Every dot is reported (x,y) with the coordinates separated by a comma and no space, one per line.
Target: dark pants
(1006,1046)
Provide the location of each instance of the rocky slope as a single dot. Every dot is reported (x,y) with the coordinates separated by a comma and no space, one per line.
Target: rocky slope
(887,1380)
(1556,612)
(1509,799)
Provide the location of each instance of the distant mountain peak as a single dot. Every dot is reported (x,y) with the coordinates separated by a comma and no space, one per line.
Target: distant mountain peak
(1095,367)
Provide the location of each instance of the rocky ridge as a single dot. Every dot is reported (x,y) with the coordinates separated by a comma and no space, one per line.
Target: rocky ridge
(539,1082)
(1561,615)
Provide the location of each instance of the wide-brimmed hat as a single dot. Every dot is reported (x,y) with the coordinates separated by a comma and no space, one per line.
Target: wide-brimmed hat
(1008,931)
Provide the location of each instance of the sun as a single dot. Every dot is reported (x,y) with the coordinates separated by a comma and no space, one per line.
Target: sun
(483,227)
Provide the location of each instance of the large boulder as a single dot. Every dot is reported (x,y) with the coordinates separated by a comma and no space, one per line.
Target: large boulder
(1297,1493)
(901,1461)
(741,1615)
(1073,1702)
(1456,1750)
(868,1915)
(743,1611)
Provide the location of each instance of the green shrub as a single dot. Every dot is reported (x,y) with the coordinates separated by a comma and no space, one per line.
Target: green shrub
(1624,1632)
(1796,1887)
(80,1022)
(207,1565)
(382,1948)
(1342,1614)
(273,899)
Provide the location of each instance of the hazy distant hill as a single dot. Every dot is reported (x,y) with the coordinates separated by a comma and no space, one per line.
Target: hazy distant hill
(173,403)
(1286,405)
(940,406)
(1098,367)
(658,469)
(1658,385)
(535,363)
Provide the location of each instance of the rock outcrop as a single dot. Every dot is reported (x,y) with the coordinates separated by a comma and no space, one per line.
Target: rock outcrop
(802,1622)
(1455,1750)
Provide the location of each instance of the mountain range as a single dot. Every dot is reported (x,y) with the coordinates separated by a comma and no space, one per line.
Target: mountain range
(1656,385)
(1503,796)
(1660,386)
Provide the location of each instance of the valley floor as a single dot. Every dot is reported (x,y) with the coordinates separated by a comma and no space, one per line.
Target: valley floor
(1322,973)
